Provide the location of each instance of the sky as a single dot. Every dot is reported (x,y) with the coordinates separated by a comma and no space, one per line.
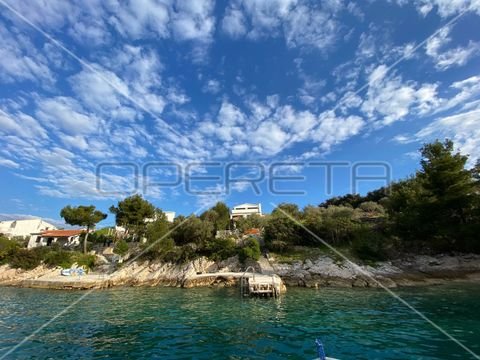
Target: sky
(192,102)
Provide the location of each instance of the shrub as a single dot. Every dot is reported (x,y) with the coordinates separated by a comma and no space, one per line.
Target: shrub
(121,247)
(369,244)
(86,260)
(187,252)
(279,246)
(250,250)
(221,249)
(6,248)
(158,249)
(61,258)
(26,259)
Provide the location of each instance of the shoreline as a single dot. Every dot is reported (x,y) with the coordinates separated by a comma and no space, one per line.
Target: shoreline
(316,273)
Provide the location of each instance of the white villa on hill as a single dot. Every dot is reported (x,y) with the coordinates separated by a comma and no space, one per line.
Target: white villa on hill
(24,228)
(170,215)
(245,210)
(49,237)
(120,230)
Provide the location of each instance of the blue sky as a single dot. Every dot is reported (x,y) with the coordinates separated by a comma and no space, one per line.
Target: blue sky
(133,85)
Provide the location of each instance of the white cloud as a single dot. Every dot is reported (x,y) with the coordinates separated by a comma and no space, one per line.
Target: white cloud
(21,60)
(403,139)
(90,21)
(452,57)
(445,8)
(9,163)
(21,125)
(462,128)
(193,20)
(100,90)
(334,130)
(467,90)
(67,115)
(212,86)
(311,27)
(233,23)
(389,99)
(300,22)
(138,19)
(268,138)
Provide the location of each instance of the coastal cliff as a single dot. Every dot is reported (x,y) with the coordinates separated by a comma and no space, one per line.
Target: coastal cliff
(319,272)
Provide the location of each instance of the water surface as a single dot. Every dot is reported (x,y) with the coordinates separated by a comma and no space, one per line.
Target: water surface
(203,323)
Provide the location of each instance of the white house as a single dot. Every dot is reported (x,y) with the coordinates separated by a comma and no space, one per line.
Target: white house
(120,230)
(245,210)
(170,215)
(24,227)
(63,237)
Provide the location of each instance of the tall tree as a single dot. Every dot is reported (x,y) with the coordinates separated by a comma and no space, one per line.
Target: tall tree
(450,189)
(193,230)
(132,212)
(219,215)
(159,241)
(82,216)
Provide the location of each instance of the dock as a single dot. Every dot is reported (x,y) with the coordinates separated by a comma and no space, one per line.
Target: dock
(251,283)
(261,285)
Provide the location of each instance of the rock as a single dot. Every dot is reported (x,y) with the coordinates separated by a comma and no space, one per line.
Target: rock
(101,260)
(108,251)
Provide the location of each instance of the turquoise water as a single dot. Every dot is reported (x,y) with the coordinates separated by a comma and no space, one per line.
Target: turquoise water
(170,323)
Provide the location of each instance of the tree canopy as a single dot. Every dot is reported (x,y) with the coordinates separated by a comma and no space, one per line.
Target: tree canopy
(83,216)
(132,212)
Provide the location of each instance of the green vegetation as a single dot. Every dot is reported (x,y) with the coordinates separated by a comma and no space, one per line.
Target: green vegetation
(17,257)
(121,247)
(250,250)
(132,213)
(436,210)
(82,216)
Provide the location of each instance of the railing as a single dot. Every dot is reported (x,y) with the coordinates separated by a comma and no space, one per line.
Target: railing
(242,279)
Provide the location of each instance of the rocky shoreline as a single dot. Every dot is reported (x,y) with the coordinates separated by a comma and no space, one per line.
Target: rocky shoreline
(320,272)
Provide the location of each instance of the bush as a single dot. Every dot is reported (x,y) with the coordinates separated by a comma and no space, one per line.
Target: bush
(280,247)
(250,250)
(221,249)
(158,249)
(26,259)
(186,253)
(61,258)
(86,260)
(121,247)
(6,248)
(369,244)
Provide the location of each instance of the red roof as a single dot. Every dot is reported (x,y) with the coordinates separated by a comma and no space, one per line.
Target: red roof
(62,233)
(252,231)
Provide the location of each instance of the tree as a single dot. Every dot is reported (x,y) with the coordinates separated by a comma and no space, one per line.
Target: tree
(449,186)
(450,191)
(158,240)
(281,229)
(223,220)
(218,215)
(250,250)
(338,223)
(372,208)
(132,212)
(194,231)
(253,221)
(82,216)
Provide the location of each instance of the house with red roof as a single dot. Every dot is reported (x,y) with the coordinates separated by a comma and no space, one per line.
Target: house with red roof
(67,238)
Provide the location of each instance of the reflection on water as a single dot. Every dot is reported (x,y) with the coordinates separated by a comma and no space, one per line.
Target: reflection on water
(207,323)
